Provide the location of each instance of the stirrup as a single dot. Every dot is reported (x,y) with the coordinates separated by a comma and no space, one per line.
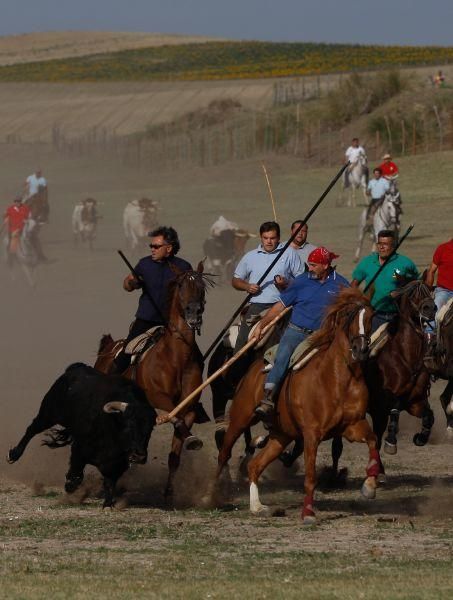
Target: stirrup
(265,410)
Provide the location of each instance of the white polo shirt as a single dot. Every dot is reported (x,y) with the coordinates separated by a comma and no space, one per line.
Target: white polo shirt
(34,183)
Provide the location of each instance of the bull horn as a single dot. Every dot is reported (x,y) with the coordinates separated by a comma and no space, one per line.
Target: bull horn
(114,407)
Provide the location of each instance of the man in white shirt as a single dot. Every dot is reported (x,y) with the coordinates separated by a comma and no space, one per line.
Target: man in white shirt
(300,244)
(33,183)
(354,153)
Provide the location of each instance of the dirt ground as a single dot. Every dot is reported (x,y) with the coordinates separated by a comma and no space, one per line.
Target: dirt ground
(48,45)
(398,546)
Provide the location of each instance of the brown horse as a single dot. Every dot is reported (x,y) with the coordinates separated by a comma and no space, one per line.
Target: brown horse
(170,370)
(397,378)
(326,398)
(445,360)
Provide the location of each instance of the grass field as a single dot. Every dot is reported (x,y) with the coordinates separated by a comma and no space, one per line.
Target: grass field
(398,546)
(225,60)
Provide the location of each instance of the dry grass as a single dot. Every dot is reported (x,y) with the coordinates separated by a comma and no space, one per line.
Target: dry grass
(32,47)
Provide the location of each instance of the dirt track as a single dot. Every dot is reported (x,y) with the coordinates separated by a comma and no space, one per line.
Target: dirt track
(79,297)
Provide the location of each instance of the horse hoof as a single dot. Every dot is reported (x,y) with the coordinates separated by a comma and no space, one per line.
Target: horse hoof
(450,432)
(193,443)
(261,511)
(309,519)
(259,441)
(368,489)
(419,439)
(12,456)
(287,459)
(390,448)
(382,478)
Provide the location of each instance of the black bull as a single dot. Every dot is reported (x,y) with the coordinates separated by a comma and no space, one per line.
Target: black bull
(106,419)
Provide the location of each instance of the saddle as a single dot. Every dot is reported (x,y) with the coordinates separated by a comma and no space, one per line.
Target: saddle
(378,339)
(139,346)
(299,358)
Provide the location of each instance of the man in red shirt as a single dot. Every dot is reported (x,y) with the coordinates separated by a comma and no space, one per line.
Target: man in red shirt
(14,219)
(388,168)
(442,263)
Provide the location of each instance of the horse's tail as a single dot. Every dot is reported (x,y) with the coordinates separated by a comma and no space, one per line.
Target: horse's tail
(106,339)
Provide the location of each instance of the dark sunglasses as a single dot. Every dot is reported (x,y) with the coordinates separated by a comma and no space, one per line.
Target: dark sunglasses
(157,246)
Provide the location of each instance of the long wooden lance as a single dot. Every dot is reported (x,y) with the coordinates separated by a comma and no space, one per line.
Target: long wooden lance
(276,259)
(270,190)
(394,251)
(164,418)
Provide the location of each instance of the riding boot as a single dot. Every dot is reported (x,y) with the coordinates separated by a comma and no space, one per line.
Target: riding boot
(265,410)
(120,363)
(430,359)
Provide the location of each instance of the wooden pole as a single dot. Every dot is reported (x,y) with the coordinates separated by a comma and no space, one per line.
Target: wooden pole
(270,191)
(403,137)
(164,418)
(439,123)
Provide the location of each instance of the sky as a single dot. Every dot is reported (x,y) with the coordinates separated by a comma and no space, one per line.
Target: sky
(352,21)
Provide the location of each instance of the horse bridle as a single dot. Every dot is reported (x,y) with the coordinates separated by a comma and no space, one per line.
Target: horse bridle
(421,308)
(358,344)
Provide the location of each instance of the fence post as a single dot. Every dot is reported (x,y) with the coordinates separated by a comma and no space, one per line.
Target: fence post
(439,123)
(414,137)
(403,137)
(378,144)
(389,131)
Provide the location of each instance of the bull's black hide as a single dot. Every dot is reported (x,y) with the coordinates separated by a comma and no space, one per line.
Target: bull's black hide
(106,419)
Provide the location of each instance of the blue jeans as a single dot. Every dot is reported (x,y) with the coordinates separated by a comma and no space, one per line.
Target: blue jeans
(289,342)
(441,297)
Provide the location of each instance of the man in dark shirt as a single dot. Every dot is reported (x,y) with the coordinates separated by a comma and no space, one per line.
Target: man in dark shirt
(155,273)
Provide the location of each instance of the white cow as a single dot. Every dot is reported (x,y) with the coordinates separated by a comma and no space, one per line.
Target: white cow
(139,218)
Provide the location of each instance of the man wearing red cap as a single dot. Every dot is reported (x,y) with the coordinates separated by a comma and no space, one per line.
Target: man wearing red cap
(309,295)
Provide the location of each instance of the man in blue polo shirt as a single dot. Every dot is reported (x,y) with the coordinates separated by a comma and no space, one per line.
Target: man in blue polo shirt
(252,266)
(309,295)
(155,273)
(398,268)
(376,189)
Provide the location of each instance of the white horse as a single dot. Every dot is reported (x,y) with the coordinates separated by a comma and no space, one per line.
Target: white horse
(386,216)
(139,218)
(354,177)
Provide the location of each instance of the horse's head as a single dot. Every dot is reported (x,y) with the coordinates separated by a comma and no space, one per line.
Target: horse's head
(351,313)
(190,287)
(415,302)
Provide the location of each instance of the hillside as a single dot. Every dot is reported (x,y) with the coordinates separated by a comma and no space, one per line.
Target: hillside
(225,60)
(50,45)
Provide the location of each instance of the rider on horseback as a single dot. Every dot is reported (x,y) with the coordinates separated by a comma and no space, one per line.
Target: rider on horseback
(309,295)
(353,154)
(388,168)
(376,190)
(442,264)
(14,219)
(398,268)
(155,272)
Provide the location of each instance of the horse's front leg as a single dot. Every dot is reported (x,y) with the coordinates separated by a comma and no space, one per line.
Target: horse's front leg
(391,441)
(447,405)
(275,446)
(311,443)
(362,432)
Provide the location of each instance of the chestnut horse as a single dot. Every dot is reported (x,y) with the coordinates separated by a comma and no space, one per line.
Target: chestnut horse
(397,378)
(326,398)
(170,370)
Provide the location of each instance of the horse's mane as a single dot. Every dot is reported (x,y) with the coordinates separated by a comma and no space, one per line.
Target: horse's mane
(410,289)
(106,339)
(346,297)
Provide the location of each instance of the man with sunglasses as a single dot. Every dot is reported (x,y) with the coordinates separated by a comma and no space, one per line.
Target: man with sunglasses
(155,273)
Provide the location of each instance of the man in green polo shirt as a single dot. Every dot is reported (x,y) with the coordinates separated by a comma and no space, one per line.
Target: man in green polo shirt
(387,281)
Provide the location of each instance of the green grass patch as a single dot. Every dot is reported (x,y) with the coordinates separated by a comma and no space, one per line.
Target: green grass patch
(225,60)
